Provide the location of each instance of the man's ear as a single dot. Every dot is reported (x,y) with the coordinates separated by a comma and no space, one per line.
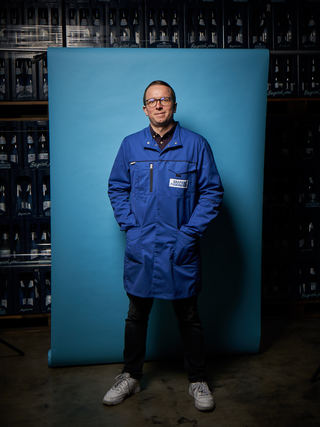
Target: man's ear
(145,110)
(175,107)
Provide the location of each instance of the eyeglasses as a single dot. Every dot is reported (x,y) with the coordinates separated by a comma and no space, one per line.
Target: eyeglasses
(152,102)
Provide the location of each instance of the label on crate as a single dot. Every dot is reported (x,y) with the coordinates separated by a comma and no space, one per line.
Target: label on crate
(4,303)
(46,251)
(31,157)
(313,286)
(2,207)
(26,309)
(4,253)
(13,158)
(46,204)
(3,157)
(34,253)
(43,156)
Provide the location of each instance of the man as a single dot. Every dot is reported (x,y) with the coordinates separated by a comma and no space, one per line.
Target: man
(164,188)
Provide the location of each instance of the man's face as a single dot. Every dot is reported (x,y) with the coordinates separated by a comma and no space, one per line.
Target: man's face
(160,115)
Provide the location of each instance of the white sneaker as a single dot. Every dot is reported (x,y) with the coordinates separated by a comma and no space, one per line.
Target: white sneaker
(203,398)
(124,386)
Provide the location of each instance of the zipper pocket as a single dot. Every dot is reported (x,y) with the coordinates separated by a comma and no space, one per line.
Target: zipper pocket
(151,176)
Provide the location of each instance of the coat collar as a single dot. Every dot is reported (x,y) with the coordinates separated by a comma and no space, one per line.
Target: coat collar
(151,144)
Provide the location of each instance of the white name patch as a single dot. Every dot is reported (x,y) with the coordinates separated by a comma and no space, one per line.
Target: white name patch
(178,183)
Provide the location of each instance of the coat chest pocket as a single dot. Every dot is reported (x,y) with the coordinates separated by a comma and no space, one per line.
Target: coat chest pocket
(142,176)
(181,178)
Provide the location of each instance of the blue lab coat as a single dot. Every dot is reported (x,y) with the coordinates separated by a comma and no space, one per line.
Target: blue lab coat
(164,200)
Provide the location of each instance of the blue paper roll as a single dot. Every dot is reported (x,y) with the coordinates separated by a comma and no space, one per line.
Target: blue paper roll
(95,100)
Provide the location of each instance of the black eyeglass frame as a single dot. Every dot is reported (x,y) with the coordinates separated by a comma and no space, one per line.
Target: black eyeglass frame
(166,99)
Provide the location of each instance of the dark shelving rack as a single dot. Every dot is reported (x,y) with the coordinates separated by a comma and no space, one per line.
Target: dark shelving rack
(291,32)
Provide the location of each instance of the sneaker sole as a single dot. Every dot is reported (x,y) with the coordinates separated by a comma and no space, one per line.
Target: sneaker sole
(117,401)
(203,408)
(200,407)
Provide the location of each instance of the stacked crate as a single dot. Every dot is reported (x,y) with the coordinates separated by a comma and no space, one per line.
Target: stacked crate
(289,29)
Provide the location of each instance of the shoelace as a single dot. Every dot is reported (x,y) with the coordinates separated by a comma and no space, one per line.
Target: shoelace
(121,383)
(201,388)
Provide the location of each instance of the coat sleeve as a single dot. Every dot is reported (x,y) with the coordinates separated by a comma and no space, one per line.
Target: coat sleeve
(210,192)
(119,188)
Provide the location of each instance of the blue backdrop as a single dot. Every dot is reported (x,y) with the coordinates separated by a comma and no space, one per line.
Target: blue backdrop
(95,100)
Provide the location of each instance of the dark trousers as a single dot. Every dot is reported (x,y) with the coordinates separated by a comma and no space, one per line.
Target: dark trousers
(191,331)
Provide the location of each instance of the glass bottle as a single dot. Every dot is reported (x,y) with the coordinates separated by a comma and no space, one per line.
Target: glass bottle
(263,32)
(84,28)
(3,20)
(124,29)
(54,33)
(288,81)
(3,79)
(34,251)
(311,194)
(310,237)
(28,199)
(43,24)
(277,81)
(46,204)
(22,295)
(311,38)
(30,294)
(30,26)
(175,29)
(3,296)
(43,154)
(113,29)
(136,28)
(3,207)
(239,29)
(288,34)
(44,79)
(19,201)
(3,150)
(43,16)
(31,155)
(152,29)
(5,251)
(312,283)
(48,293)
(84,17)
(96,27)
(302,286)
(14,151)
(164,32)
(72,28)
(309,146)
(19,87)
(29,80)
(72,20)
(45,245)
(30,16)
(214,30)
(17,252)
(96,17)
(13,16)
(202,38)
(314,78)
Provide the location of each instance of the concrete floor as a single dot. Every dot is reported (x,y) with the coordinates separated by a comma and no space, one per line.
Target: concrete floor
(271,389)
